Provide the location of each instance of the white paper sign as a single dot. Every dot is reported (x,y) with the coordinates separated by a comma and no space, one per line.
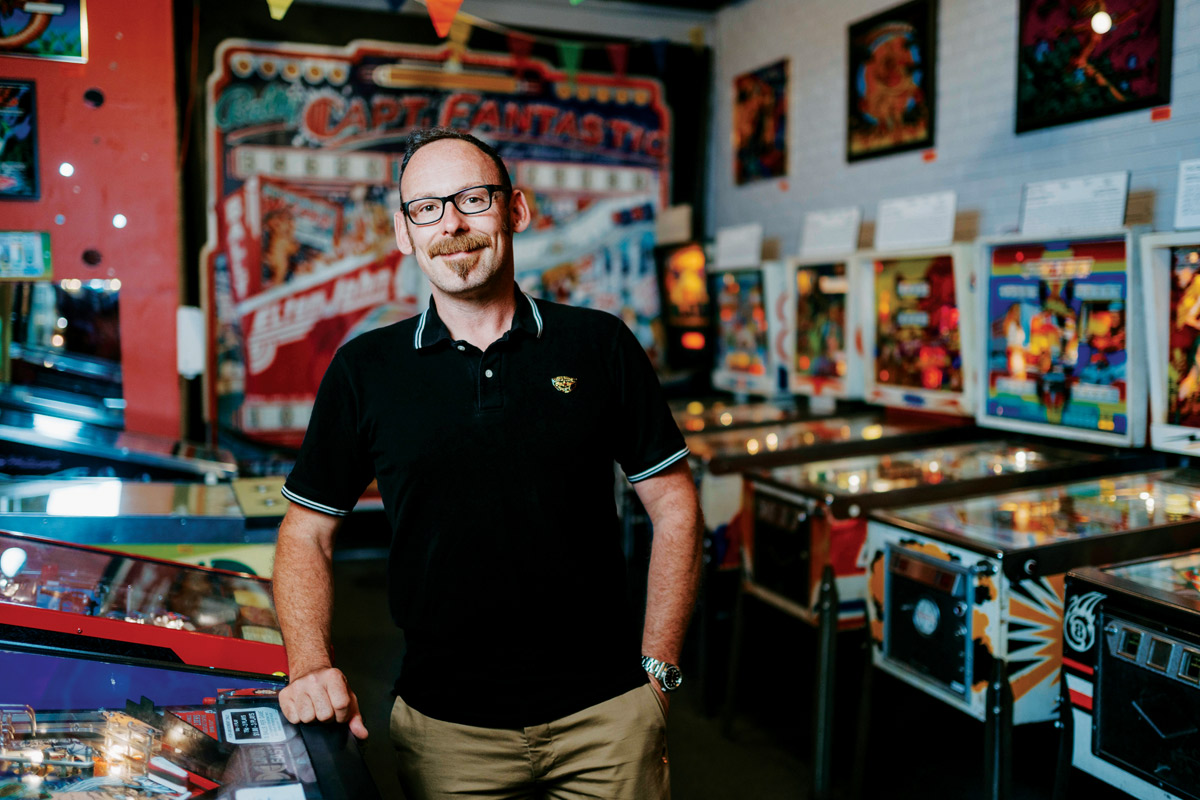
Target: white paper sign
(831,232)
(1076,205)
(739,246)
(674,225)
(920,220)
(1187,199)
(290,791)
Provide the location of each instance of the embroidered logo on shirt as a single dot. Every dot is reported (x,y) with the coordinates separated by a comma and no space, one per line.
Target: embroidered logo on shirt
(564,384)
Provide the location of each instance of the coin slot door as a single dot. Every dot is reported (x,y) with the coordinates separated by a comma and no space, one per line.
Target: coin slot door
(783,546)
(1147,704)
(927,618)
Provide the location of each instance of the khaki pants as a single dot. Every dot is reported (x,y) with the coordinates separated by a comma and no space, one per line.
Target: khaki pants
(615,750)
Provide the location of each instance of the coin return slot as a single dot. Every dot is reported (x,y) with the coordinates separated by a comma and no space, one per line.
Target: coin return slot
(1160,654)
(1189,668)
(1130,642)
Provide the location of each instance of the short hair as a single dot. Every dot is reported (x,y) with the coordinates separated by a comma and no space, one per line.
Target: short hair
(423,136)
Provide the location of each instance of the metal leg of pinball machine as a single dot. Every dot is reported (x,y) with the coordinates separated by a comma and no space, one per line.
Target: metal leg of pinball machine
(827,607)
(998,734)
(863,729)
(1066,741)
(735,659)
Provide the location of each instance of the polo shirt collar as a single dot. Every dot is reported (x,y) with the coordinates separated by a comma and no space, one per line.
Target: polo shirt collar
(431,329)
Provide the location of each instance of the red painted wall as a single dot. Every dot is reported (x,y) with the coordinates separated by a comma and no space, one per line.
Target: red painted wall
(125,157)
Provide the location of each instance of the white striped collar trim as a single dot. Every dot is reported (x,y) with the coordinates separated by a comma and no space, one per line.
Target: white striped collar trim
(420,330)
(537,315)
(659,467)
(315,506)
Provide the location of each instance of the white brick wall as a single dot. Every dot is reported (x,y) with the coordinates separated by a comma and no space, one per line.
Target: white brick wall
(978,153)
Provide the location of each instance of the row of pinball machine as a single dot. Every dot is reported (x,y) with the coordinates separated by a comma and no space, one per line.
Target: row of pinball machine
(903,475)
(999,498)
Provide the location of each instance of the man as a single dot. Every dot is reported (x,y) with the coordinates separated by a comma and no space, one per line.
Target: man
(491,422)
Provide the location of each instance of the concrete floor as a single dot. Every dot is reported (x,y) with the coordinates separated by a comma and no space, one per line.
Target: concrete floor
(916,747)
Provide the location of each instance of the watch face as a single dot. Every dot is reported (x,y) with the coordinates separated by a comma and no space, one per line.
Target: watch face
(672,678)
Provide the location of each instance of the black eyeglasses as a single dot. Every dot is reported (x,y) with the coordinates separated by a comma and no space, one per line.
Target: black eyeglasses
(428,210)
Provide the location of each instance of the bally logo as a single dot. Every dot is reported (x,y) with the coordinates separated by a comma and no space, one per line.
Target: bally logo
(563,383)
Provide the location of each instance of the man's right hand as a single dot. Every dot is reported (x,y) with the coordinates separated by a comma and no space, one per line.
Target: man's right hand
(324,695)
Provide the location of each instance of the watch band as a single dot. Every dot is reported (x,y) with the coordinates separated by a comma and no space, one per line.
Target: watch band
(669,676)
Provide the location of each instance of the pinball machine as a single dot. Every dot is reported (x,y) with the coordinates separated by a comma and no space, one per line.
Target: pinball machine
(965,597)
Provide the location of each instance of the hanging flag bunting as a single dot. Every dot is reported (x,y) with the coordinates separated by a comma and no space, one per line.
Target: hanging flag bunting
(618,54)
(460,32)
(442,13)
(569,54)
(278,8)
(520,46)
(659,48)
(576,2)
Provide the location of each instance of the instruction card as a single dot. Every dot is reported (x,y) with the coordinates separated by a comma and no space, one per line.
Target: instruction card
(252,725)
(1090,204)
(1187,199)
(291,791)
(739,246)
(831,232)
(916,221)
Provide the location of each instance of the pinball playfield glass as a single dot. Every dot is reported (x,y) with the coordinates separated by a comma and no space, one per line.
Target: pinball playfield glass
(192,615)
(1063,355)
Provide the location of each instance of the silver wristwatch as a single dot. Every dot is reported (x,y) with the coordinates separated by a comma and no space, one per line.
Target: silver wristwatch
(668,675)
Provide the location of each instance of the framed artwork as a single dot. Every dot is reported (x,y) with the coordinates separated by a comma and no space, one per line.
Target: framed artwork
(891,92)
(760,123)
(18,141)
(1080,61)
(57,31)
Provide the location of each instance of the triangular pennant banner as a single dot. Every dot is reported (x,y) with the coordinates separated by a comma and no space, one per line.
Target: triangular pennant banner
(576,2)
(618,54)
(520,46)
(278,8)
(442,13)
(569,54)
(460,32)
(659,48)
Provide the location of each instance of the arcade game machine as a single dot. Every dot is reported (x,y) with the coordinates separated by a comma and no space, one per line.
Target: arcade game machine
(686,307)
(193,523)
(1131,676)
(1130,658)
(62,395)
(826,359)
(965,597)
(134,678)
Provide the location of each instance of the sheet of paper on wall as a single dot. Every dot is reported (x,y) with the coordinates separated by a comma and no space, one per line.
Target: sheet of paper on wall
(739,246)
(674,225)
(1187,199)
(916,221)
(830,232)
(1088,204)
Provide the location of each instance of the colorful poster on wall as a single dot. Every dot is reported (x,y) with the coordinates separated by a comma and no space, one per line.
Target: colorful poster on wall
(305,144)
(892,69)
(1057,345)
(56,30)
(1183,367)
(760,123)
(1079,61)
(18,141)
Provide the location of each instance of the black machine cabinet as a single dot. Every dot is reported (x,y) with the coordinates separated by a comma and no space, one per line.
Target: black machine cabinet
(1131,656)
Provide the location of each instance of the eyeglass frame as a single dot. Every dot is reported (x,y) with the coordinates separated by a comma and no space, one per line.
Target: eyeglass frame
(491,187)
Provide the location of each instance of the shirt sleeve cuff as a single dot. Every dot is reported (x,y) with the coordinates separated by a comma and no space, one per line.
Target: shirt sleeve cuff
(659,467)
(312,504)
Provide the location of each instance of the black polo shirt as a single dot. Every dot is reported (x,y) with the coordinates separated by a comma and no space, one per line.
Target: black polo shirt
(496,470)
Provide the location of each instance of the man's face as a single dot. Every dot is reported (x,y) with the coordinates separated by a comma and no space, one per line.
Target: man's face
(460,253)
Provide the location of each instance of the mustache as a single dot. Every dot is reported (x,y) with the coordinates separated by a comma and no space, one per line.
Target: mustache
(462,243)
